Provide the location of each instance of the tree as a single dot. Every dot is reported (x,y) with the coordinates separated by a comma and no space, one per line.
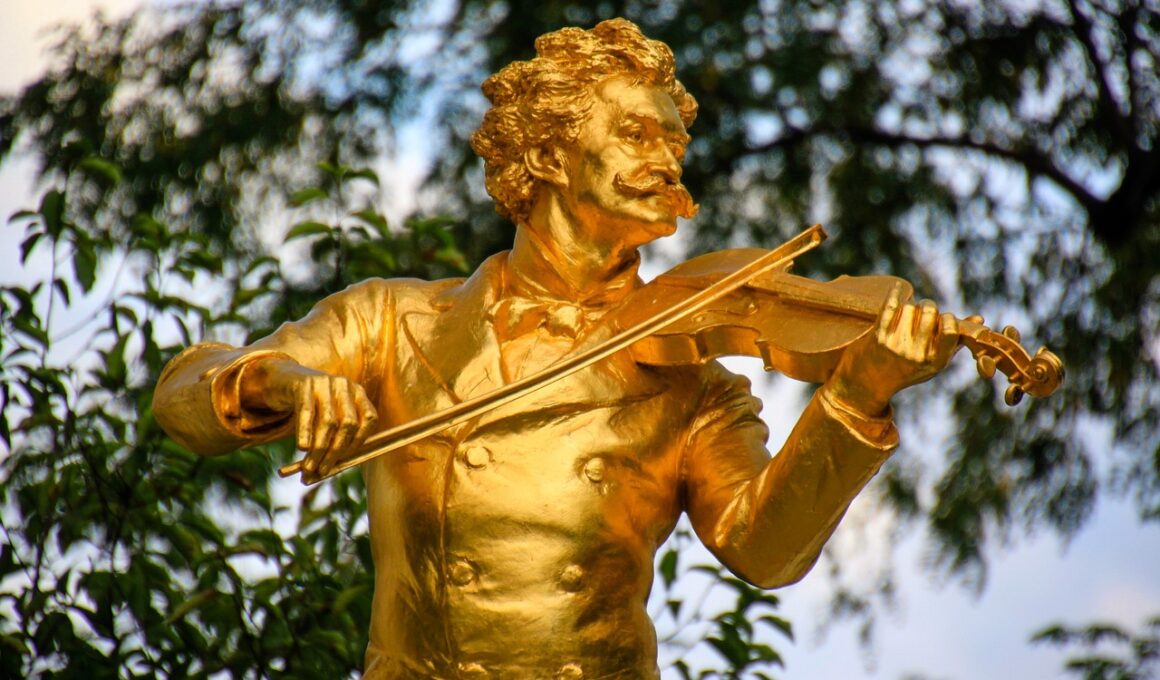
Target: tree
(1137,662)
(944,142)
(126,554)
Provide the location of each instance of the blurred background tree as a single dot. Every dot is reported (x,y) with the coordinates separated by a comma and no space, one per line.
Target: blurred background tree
(1001,155)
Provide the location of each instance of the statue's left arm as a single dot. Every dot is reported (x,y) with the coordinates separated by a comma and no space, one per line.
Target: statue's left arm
(767,519)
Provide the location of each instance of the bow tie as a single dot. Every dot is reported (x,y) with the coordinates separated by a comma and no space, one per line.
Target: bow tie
(515,316)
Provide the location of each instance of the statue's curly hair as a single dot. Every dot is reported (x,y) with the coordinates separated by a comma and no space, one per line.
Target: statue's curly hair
(543,102)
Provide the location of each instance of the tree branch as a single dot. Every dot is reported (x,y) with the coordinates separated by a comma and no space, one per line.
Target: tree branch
(1128,24)
(1034,163)
(1084,30)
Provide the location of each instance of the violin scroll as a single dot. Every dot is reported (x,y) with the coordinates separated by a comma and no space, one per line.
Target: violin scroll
(1038,375)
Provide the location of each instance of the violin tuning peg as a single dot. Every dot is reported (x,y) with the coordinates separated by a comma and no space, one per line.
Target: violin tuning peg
(986,366)
(1014,395)
(1012,333)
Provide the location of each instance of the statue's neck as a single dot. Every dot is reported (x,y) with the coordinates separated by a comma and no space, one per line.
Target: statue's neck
(554,257)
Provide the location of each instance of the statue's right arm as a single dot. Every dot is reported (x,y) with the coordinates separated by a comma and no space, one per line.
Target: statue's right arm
(315,379)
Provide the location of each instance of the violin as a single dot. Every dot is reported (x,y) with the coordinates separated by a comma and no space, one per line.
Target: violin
(740,302)
(801,327)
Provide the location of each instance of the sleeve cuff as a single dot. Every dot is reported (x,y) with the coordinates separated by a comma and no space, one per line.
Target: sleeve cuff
(239,419)
(876,432)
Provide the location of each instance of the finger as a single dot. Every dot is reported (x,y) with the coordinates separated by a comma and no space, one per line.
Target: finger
(368,415)
(317,448)
(927,316)
(926,327)
(346,414)
(326,423)
(888,318)
(899,341)
(305,406)
(306,425)
(947,341)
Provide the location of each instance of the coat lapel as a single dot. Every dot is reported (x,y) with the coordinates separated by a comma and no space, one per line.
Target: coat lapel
(455,340)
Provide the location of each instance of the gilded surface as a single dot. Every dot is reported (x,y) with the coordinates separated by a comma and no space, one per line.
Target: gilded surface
(520,544)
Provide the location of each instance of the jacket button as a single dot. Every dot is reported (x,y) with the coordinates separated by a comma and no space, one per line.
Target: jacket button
(594,470)
(462,573)
(473,671)
(476,457)
(572,578)
(570,671)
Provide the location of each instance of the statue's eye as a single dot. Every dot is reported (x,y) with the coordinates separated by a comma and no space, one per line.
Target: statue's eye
(634,135)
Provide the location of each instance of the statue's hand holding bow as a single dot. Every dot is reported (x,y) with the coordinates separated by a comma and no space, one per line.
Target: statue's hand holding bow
(333,414)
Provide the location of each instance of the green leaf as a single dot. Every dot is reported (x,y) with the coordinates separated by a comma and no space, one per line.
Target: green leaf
(148,228)
(31,328)
(363,173)
(376,220)
(346,597)
(268,541)
(668,567)
(245,296)
(52,212)
(28,244)
(204,260)
(323,248)
(85,265)
(335,171)
(189,605)
(101,168)
(732,648)
(115,362)
(779,623)
(306,229)
(262,261)
(22,215)
(453,257)
(307,195)
(62,288)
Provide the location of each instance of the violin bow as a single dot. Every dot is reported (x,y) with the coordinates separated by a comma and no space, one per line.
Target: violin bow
(408,433)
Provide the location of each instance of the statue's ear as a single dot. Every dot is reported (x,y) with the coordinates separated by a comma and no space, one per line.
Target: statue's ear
(547,165)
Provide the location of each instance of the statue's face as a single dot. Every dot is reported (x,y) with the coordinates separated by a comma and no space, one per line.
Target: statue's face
(623,173)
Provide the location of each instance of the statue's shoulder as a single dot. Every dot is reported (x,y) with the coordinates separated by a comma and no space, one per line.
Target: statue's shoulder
(408,294)
(403,293)
(401,296)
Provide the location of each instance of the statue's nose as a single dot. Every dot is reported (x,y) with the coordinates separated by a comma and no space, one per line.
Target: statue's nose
(668,168)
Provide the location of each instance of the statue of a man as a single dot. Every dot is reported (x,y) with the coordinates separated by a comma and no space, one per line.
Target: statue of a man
(521,544)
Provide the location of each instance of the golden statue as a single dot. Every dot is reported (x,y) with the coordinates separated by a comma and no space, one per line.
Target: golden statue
(516,539)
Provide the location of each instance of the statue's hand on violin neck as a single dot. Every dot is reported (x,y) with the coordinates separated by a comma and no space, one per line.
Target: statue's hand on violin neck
(910,343)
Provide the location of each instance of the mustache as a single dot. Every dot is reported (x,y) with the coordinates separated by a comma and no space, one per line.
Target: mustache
(645,182)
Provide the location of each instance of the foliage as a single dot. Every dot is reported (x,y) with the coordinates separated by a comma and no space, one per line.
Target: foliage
(1137,655)
(1001,155)
(125,553)
(738,635)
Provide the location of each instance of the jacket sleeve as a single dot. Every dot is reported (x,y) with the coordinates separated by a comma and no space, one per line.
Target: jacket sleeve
(197,400)
(764,518)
